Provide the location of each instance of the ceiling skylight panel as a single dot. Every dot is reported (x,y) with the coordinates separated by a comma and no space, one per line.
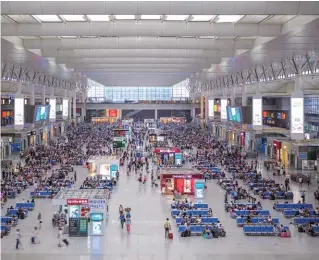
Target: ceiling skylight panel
(47,18)
(99,18)
(124,17)
(228,18)
(176,17)
(202,18)
(150,17)
(74,18)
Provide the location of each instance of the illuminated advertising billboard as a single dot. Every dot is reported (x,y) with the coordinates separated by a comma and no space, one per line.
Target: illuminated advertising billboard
(52,109)
(65,108)
(211,108)
(223,109)
(19,111)
(297,116)
(257,113)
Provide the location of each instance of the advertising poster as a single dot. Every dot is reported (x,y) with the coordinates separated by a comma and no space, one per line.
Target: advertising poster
(178,159)
(234,114)
(297,115)
(105,170)
(19,111)
(113,169)
(52,109)
(257,113)
(211,108)
(223,109)
(41,113)
(65,108)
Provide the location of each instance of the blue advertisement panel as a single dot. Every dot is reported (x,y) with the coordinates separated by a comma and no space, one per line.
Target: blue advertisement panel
(113,169)
(178,159)
(199,189)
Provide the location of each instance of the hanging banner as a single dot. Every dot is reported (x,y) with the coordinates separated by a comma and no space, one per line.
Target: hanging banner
(52,103)
(223,109)
(19,112)
(65,108)
(297,129)
(257,113)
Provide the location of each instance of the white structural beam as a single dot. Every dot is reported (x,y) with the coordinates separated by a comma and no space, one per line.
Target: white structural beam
(138,43)
(141,28)
(137,53)
(159,7)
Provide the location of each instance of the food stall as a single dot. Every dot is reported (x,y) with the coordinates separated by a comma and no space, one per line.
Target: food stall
(181,182)
(168,157)
(176,120)
(103,120)
(80,205)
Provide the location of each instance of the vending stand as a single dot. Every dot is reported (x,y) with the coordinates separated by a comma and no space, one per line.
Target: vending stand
(183,183)
(168,157)
(86,210)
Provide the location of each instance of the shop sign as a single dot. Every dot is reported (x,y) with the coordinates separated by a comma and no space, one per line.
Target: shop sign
(118,138)
(97,204)
(182,176)
(77,201)
(303,156)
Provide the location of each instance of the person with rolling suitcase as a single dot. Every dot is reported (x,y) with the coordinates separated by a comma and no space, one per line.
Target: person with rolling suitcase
(167,227)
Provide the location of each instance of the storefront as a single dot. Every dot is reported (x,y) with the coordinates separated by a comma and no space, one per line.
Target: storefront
(183,183)
(249,141)
(168,157)
(285,153)
(31,138)
(276,147)
(167,120)
(307,155)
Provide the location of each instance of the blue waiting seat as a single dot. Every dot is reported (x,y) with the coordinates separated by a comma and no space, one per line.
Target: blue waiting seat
(283,206)
(25,205)
(305,221)
(258,230)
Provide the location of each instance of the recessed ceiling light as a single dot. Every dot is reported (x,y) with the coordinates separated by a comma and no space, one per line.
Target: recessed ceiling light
(99,18)
(150,17)
(124,17)
(47,18)
(176,17)
(228,18)
(207,37)
(202,18)
(68,37)
(73,18)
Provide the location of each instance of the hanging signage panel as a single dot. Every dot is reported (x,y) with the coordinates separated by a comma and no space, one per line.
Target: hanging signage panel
(223,112)
(19,111)
(257,113)
(65,108)
(52,103)
(297,115)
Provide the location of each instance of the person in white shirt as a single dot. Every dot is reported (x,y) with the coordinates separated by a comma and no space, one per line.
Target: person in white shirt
(18,237)
(34,237)
(219,225)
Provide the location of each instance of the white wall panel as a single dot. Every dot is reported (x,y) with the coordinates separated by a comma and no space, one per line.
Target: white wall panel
(281,7)
(218,7)
(157,7)
(52,7)
(191,7)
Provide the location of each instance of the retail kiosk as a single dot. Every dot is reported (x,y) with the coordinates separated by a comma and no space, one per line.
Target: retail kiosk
(86,210)
(168,157)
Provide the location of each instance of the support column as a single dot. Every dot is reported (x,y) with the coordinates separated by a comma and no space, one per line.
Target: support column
(83,114)
(18,108)
(74,106)
(244,96)
(43,96)
(32,97)
(156,114)
(193,113)
(202,112)
(70,105)
(223,107)
(297,126)
(257,109)
(233,97)
(52,102)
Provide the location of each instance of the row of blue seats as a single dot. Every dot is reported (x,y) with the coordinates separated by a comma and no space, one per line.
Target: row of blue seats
(256,220)
(196,205)
(205,220)
(282,206)
(315,230)
(195,229)
(6,219)
(289,213)
(25,205)
(39,194)
(194,212)
(258,230)
(262,212)
(279,195)
(305,221)
(11,194)
(14,212)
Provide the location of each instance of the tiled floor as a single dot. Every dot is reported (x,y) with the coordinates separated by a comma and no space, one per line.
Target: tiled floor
(149,210)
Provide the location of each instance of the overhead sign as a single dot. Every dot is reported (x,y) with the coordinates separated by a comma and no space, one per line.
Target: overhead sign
(65,108)
(303,156)
(97,204)
(297,115)
(76,201)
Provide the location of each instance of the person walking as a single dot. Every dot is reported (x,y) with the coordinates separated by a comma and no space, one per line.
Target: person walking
(128,224)
(39,219)
(287,184)
(303,196)
(167,227)
(300,182)
(122,219)
(18,238)
(34,237)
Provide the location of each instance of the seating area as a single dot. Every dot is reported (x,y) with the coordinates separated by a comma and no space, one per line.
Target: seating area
(204,220)
(305,221)
(315,231)
(277,194)
(290,213)
(283,206)
(195,205)
(194,212)
(25,205)
(262,212)
(43,194)
(255,220)
(265,230)
(195,229)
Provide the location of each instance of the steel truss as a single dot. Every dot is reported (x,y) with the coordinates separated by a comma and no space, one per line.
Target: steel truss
(287,68)
(16,73)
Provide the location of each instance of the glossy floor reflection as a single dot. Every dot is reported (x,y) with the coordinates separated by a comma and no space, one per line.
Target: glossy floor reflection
(146,241)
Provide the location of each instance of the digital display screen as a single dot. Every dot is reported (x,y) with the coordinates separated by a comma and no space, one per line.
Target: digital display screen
(41,113)
(96,216)
(96,228)
(19,111)
(74,211)
(105,169)
(52,109)
(234,114)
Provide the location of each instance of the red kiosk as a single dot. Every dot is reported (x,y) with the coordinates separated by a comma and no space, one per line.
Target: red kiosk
(168,157)
(183,183)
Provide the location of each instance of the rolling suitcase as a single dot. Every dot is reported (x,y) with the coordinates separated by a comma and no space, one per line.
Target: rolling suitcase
(65,241)
(170,235)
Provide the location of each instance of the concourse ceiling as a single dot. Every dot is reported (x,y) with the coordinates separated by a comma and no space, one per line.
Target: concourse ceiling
(158,43)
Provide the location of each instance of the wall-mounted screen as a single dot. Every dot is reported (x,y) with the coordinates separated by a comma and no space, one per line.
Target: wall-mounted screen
(19,111)
(52,109)
(234,114)
(297,115)
(211,108)
(41,113)
(223,109)
(65,108)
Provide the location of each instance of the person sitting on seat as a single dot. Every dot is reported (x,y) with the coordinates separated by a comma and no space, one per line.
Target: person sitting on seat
(199,219)
(270,221)
(210,212)
(191,205)
(316,211)
(248,220)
